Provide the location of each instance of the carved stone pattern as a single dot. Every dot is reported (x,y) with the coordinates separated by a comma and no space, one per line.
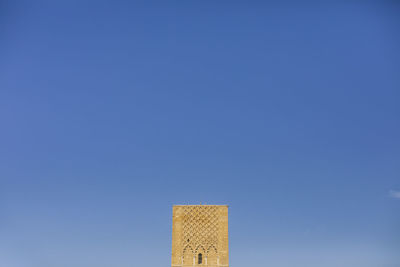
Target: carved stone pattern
(200,229)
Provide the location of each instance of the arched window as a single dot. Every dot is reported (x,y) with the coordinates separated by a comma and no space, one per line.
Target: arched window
(200,258)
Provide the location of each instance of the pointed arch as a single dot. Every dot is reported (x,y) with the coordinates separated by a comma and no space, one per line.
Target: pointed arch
(201,249)
(188,248)
(212,248)
(188,254)
(212,256)
(200,254)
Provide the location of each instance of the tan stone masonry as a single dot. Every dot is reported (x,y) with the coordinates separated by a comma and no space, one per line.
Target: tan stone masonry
(200,235)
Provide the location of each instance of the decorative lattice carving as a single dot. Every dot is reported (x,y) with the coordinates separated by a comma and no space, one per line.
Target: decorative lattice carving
(200,230)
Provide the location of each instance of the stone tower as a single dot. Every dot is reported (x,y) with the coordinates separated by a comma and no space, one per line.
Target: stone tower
(200,235)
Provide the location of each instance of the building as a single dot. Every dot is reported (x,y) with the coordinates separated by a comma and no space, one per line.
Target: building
(200,235)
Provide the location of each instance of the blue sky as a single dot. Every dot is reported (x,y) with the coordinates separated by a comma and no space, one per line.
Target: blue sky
(111,112)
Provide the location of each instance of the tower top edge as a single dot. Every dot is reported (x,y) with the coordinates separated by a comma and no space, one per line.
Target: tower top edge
(200,205)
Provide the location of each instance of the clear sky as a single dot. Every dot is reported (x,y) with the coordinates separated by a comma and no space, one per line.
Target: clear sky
(113,111)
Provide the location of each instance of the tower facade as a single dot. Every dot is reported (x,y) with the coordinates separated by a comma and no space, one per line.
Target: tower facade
(200,235)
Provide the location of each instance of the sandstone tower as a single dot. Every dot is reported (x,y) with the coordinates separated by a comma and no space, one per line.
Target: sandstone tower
(200,235)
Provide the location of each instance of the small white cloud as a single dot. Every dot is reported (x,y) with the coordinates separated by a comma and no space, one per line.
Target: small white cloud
(394,194)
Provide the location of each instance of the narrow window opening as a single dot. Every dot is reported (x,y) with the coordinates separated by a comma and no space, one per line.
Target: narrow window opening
(200,259)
